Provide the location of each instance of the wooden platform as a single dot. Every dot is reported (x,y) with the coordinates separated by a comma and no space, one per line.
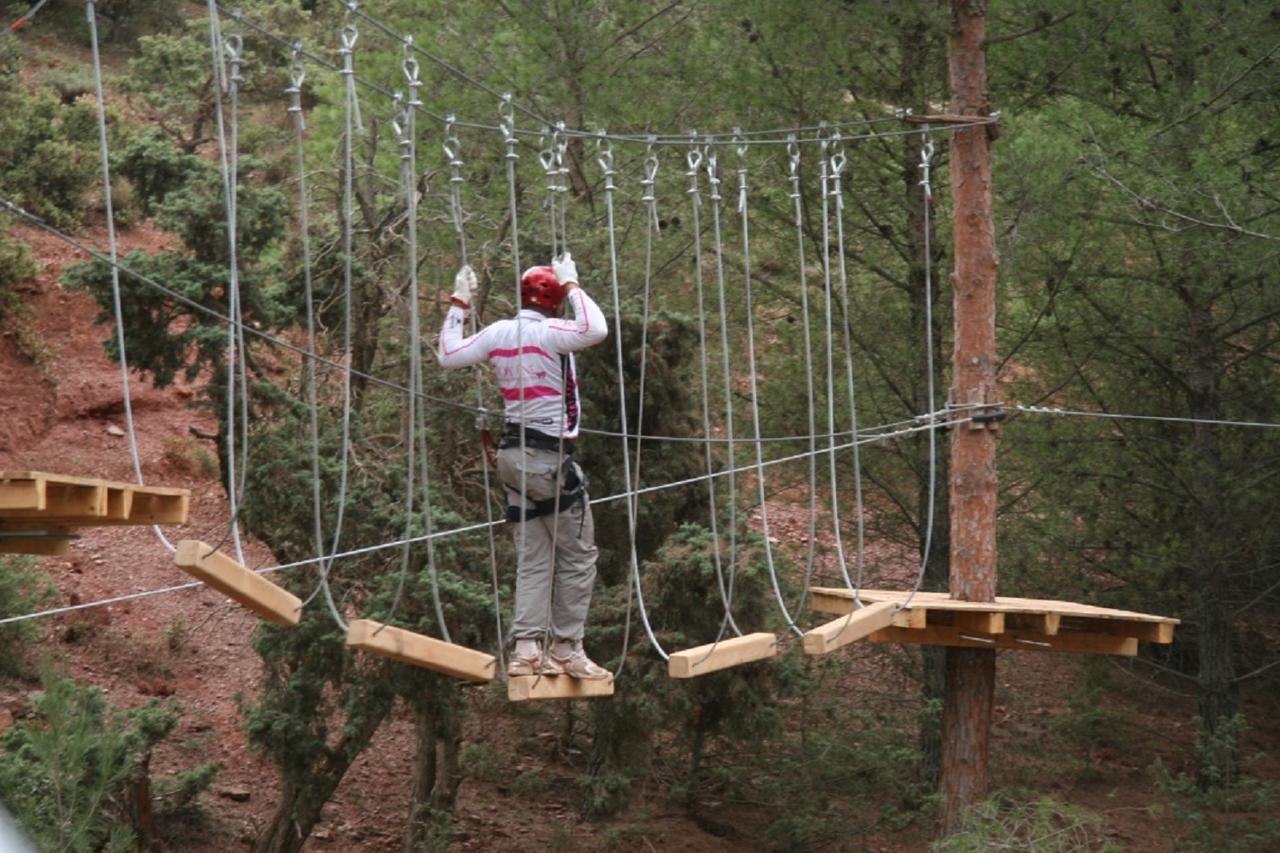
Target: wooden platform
(1026,624)
(427,652)
(238,583)
(526,688)
(51,506)
(713,657)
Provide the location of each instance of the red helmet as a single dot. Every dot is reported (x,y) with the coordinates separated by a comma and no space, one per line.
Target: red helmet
(539,288)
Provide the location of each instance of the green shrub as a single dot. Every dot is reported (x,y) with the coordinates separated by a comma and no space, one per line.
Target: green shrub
(155,166)
(1224,807)
(1025,821)
(50,151)
(68,774)
(23,588)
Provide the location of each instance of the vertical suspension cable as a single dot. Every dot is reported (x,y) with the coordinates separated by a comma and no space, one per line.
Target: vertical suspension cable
(453,154)
(743,211)
(651,229)
(793,154)
(547,157)
(926,162)
(506,113)
(297,74)
(561,144)
(838,163)
(234,334)
(113,252)
(713,183)
(824,184)
(604,156)
(349,35)
(694,161)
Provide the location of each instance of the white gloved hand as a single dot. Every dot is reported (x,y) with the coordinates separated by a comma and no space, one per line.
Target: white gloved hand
(463,283)
(565,269)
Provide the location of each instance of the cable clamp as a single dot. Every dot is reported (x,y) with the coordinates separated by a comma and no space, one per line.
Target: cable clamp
(976,408)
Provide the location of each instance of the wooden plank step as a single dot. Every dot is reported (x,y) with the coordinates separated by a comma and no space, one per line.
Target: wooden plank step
(712,657)
(238,583)
(844,630)
(1025,641)
(427,652)
(84,501)
(527,688)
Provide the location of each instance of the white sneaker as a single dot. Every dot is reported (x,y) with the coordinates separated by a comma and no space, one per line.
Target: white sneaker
(576,665)
(524,665)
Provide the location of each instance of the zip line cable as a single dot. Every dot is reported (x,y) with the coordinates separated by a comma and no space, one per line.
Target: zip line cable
(26,19)
(116,301)
(471,528)
(808,133)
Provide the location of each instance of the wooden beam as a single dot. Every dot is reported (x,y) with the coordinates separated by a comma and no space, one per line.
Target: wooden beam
(911,617)
(408,647)
(1023,641)
(526,688)
(1152,632)
(844,630)
(1040,623)
(21,492)
(983,623)
(154,507)
(233,580)
(712,657)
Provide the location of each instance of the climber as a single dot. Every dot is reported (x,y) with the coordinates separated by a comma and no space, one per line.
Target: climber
(546,490)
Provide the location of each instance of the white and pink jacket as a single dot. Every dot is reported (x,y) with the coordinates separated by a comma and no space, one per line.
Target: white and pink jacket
(532,356)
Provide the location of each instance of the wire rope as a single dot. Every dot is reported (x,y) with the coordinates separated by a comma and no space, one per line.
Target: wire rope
(116,301)
(471,528)
(744,212)
(234,336)
(797,198)
(926,162)
(452,147)
(604,156)
(348,36)
(824,179)
(694,161)
(378,381)
(778,137)
(297,75)
(838,164)
(713,195)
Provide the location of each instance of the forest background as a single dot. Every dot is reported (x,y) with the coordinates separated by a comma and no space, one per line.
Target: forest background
(1137,222)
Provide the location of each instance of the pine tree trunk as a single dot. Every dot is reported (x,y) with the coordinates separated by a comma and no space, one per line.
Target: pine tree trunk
(301,801)
(970,673)
(424,781)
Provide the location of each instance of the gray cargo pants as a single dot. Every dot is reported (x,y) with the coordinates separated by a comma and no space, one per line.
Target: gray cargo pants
(553,591)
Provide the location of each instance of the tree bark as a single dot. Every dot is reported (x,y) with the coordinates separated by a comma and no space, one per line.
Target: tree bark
(970,673)
(424,780)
